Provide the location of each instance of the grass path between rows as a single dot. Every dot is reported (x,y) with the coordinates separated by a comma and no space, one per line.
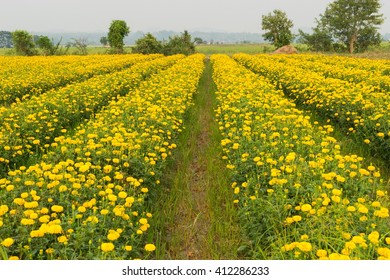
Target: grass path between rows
(194,214)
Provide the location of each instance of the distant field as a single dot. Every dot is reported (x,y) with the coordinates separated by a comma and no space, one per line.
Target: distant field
(230,49)
(381,52)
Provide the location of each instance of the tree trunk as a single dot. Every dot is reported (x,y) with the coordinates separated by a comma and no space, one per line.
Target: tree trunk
(352,43)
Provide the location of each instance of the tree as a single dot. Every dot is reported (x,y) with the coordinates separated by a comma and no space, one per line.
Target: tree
(104,41)
(80,44)
(319,40)
(47,46)
(117,32)
(179,44)
(354,22)
(23,42)
(198,41)
(147,45)
(5,39)
(278,28)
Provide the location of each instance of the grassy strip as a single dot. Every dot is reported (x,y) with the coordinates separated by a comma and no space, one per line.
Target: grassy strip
(194,214)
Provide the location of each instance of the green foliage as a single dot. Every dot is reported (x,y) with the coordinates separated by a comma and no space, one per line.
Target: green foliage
(320,40)
(147,45)
(179,44)
(5,39)
(46,45)
(117,32)
(198,41)
(278,28)
(355,23)
(104,41)
(23,43)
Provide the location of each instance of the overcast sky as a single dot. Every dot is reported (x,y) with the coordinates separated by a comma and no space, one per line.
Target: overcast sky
(155,15)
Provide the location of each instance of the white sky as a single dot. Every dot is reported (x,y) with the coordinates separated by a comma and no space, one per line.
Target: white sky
(155,15)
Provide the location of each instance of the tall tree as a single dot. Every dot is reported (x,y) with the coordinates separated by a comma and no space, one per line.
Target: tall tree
(351,20)
(117,32)
(23,42)
(278,28)
(5,39)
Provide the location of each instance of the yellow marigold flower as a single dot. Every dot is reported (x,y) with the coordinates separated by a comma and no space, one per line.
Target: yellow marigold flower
(3,209)
(305,246)
(235,146)
(297,218)
(321,253)
(363,218)
(13,258)
(107,247)
(113,235)
(306,207)
(122,194)
(8,242)
(336,256)
(128,248)
(144,190)
(27,222)
(304,237)
(363,209)
(358,239)
(150,247)
(373,237)
(54,229)
(387,239)
(382,213)
(336,192)
(104,212)
(385,252)
(336,198)
(37,233)
(350,245)
(380,193)
(57,208)
(62,239)
(376,204)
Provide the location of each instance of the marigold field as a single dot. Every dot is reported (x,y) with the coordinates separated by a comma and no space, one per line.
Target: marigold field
(85,143)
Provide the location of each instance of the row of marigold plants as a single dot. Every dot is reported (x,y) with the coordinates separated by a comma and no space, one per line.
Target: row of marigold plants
(86,198)
(364,73)
(361,111)
(23,77)
(28,128)
(297,195)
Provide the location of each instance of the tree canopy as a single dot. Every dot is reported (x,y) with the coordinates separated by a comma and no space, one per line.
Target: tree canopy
(278,28)
(23,42)
(117,32)
(147,45)
(353,24)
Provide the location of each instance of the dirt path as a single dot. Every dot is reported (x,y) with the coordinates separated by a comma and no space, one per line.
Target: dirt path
(195,212)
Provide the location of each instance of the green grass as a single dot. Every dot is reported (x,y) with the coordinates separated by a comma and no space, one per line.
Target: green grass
(194,216)
(230,49)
